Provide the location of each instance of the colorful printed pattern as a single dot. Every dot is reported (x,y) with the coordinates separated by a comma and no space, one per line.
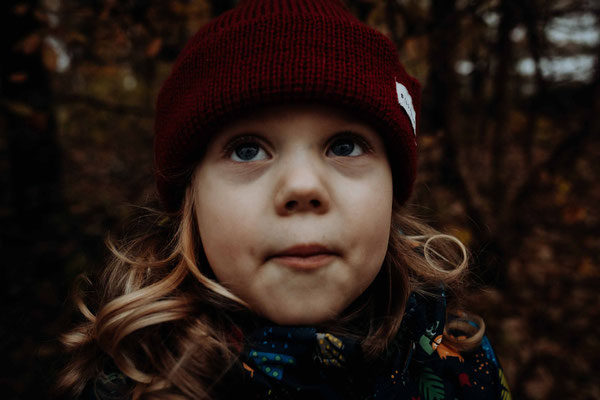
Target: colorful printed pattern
(329,350)
(331,367)
(271,364)
(282,362)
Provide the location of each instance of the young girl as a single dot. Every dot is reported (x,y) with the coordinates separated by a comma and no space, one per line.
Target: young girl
(283,264)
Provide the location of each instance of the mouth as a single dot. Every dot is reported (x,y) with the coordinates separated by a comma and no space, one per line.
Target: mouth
(305,256)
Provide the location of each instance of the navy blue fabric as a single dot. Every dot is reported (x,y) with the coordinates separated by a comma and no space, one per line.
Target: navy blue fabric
(299,362)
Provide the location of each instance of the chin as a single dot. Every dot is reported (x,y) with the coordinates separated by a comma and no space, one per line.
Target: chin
(300,317)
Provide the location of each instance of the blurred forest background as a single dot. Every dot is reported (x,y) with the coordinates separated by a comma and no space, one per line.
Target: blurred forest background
(509,162)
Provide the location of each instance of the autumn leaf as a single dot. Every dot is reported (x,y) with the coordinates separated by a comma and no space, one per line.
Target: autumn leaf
(154,47)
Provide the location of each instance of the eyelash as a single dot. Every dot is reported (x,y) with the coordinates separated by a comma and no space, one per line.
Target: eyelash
(356,138)
(235,142)
(249,139)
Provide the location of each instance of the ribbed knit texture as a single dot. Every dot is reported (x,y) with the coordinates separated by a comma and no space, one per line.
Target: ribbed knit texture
(266,52)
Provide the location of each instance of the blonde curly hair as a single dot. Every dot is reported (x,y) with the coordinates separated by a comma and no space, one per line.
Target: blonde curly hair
(164,320)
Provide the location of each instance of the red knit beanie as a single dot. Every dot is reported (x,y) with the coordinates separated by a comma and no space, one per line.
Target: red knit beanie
(266,52)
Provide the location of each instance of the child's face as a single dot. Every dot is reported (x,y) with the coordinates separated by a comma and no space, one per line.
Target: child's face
(294,208)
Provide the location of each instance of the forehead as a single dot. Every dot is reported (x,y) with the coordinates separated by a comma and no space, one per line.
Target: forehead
(322,114)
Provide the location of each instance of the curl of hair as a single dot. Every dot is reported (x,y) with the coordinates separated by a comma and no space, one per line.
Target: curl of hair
(166,322)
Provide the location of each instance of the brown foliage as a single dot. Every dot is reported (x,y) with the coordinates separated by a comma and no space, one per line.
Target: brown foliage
(508,160)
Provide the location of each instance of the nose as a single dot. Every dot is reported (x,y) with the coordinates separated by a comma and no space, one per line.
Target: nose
(301,188)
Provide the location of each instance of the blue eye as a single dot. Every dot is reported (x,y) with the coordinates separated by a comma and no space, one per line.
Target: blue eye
(248,151)
(346,147)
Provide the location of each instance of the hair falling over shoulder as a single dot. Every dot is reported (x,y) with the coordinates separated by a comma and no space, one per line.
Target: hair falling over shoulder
(161,317)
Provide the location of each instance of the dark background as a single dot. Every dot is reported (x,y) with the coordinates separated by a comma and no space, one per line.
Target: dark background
(509,163)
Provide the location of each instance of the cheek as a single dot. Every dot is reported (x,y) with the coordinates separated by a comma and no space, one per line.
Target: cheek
(374,233)
(228,230)
(371,226)
(371,201)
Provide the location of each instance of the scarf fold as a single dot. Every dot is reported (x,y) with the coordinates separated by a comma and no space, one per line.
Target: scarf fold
(301,362)
(287,362)
(291,361)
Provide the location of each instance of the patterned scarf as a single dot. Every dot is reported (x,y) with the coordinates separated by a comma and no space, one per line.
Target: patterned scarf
(290,362)
(300,362)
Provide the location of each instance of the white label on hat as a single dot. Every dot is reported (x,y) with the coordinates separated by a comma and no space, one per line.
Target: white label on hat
(405,101)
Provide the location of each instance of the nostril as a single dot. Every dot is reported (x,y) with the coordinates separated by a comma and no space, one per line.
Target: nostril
(294,205)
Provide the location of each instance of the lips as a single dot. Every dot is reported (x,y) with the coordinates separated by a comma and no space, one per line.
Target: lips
(305,250)
(305,256)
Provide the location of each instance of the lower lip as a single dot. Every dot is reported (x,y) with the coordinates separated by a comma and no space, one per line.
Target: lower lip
(306,263)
